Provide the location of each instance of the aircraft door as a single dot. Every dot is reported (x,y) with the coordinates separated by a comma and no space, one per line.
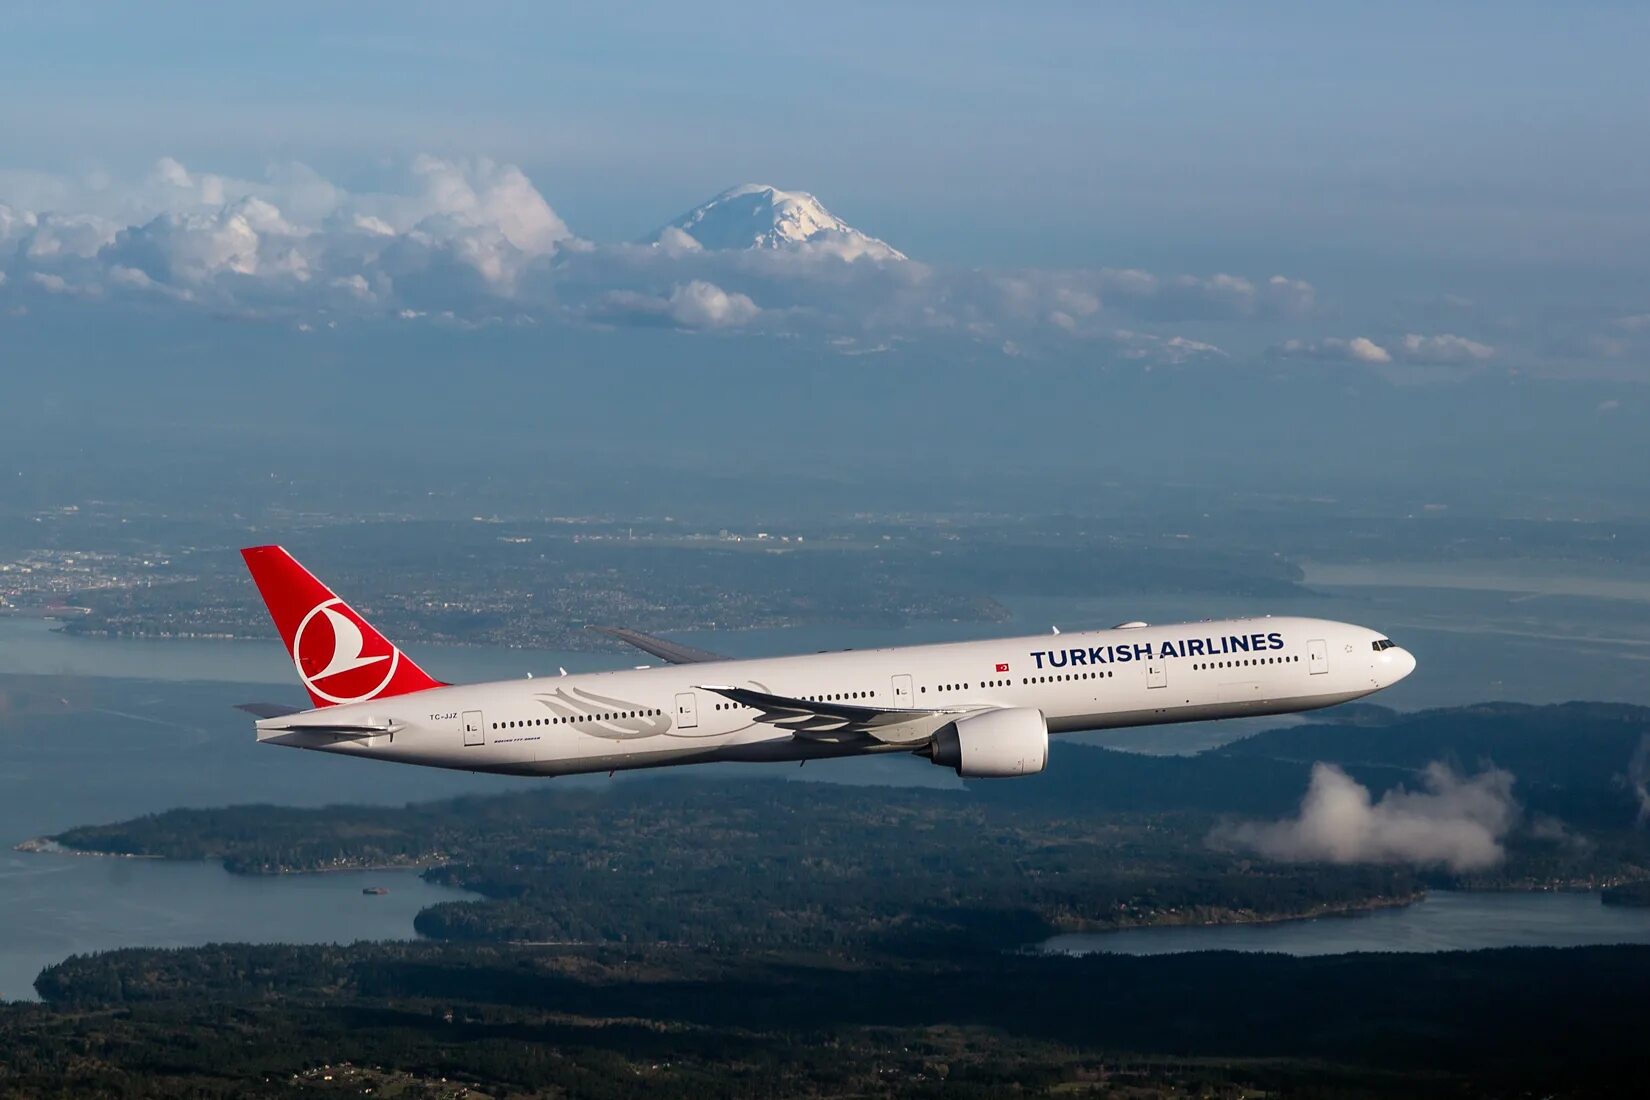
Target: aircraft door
(475,733)
(1157,674)
(1317,656)
(687,711)
(902,692)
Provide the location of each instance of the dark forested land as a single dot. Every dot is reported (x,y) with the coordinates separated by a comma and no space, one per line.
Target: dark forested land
(758,937)
(244,1020)
(1101,840)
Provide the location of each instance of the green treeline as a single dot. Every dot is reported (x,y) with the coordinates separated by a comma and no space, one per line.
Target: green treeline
(240,1020)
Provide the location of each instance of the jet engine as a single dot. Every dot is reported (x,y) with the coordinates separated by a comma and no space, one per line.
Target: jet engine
(994,744)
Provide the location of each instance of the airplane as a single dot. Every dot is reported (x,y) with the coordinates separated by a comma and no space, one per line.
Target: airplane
(984,709)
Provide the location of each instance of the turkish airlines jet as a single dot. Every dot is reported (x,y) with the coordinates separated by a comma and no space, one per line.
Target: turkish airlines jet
(982,708)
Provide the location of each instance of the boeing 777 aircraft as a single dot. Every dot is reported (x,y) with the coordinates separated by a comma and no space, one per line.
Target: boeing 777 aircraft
(983,708)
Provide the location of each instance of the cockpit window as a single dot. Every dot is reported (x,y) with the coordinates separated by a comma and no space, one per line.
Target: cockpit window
(1382,643)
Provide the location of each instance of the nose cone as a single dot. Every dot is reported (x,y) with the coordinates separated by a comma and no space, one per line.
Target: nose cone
(1396,663)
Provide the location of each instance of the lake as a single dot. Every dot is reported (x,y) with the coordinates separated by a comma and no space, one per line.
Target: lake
(1445,920)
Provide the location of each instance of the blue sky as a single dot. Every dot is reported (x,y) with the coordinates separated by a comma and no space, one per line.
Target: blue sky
(1392,155)
(1511,131)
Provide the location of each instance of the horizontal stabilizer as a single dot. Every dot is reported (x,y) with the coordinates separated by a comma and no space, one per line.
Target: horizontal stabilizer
(269,710)
(336,729)
(673,652)
(819,720)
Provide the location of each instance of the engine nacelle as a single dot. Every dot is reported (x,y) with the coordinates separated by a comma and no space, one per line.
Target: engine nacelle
(995,744)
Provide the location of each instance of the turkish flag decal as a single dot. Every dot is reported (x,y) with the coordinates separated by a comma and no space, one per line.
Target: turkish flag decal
(1002,667)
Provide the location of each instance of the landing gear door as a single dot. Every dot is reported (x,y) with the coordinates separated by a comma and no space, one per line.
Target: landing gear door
(1157,674)
(902,692)
(475,733)
(1317,657)
(687,711)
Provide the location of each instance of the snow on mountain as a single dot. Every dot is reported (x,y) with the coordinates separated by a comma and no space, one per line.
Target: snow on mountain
(758,216)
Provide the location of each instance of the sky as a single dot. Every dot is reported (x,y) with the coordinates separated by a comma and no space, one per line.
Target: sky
(1425,180)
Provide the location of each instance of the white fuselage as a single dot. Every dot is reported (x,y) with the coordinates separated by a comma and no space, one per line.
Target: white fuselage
(648,717)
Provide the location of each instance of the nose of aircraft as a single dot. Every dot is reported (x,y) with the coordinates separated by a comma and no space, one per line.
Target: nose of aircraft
(1396,663)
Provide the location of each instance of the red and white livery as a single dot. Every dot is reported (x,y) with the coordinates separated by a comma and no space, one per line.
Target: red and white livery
(982,708)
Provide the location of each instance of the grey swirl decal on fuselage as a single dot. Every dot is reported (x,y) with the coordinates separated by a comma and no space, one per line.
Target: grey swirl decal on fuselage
(604,716)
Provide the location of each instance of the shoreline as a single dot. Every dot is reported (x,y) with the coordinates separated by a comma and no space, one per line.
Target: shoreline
(46,846)
(1249,917)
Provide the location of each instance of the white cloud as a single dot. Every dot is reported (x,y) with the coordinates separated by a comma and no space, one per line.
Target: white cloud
(1452,822)
(484,195)
(1365,350)
(75,235)
(1161,349)
(1443,348)
(473,239)
(246,238)
(1359,349)
(696,305)
(704,305)
(677,242)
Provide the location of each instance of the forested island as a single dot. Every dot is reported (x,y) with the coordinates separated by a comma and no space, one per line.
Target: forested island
(749,937)
(449,1020)
(1101,840)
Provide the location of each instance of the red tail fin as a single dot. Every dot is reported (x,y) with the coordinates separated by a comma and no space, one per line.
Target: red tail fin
(338,655)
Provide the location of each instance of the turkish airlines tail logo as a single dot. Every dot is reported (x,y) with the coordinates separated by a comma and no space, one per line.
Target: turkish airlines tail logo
(338,655)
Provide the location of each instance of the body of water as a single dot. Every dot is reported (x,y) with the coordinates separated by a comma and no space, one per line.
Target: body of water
(147,724)
(54,906)
(1445,920)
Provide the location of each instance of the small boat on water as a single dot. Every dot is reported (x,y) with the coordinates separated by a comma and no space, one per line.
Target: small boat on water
(375,890)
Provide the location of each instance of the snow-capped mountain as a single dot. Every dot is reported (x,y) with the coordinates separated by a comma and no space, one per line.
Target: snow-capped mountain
(758,216)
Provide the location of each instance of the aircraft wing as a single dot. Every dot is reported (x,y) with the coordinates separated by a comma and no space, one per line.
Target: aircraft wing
(673,652)
(843,722)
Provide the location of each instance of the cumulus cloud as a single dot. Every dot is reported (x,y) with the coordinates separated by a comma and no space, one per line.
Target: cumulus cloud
(1161,349)
(704,305)
(694,305)
(1442,348)
(1451,822)
(1359,349)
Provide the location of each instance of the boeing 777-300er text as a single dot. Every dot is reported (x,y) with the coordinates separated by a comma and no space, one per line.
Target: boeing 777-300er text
(982,708)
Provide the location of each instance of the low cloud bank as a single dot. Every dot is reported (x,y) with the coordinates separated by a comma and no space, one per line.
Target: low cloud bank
(476,239)
(1452,822)
(1439,349)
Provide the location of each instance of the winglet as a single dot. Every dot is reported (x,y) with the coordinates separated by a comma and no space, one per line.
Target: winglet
(664,649)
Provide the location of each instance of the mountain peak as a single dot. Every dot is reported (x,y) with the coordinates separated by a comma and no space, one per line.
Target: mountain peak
(761,216)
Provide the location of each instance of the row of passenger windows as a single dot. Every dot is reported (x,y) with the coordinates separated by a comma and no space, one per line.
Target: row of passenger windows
(1249,661)
(614,716)
(832,697)
(1096,674)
